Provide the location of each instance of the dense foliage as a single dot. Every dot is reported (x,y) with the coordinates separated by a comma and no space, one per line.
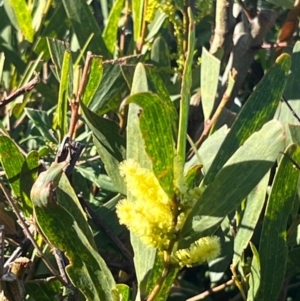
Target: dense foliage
(149,150)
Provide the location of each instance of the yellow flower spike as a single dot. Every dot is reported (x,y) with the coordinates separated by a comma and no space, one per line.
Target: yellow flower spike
(204,249)
(142,183)
(150,216)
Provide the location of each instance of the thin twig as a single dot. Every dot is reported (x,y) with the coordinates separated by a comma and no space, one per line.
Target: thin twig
(95,158)
(101,224)
(208,125)
(60,263)
(212,291)
(26,88)
(29,235)
(75,104)
(123,33)
(291,109)
(1,249)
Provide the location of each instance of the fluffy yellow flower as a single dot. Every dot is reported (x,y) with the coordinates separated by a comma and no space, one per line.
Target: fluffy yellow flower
(150,215)
(142,183)
(204,249)
(153,223)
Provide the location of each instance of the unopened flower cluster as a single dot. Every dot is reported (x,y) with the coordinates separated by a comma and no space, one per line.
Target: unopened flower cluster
(151,216)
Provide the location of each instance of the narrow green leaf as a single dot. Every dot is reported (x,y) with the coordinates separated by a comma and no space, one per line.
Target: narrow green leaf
(160,56)
(293,263)
(84,25)
(28,176)
(41,120)
(60,119)
(155,274)
(12,161)
(185,92)
(137,14)
(155,120)
(234,181)
(208,150)
(2,60)
(57,51)
(210,69)
(254,206)
(24,18)
(62,221)
(44,289)
(219,266)
(113,84)
(54,28)
(109,144)
(273,236)
(292,94)
(295,133)
(123,292)
(144,256)
(254,114)
(111,28)
(254,279)
(94,79)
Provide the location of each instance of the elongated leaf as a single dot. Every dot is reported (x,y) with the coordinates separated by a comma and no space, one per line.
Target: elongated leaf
(292,95)
(84,25)
(254,279)
(137,14)
(156,274)
(54,28)
(12,160)
(41,120)
(295,133)
(208,150)
(273,236)
(43,289)
(94,79)
(293,263)
(144,256)
(64,94)
(160,56)
(124,291)
(24,19)
(254,206)
(57,50)
(30,71)
(210,68)
(113,84)
(64,224)
(254,114)
(155,120)
(27,178)
(234,181)
(111,28)
(110,145)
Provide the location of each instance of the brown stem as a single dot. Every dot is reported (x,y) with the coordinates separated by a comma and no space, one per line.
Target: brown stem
(75,104)
(26,88)
(211,291)
(28,234)
(1,249)
(245,9)
(122,36)
(237,282)
(208,125)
